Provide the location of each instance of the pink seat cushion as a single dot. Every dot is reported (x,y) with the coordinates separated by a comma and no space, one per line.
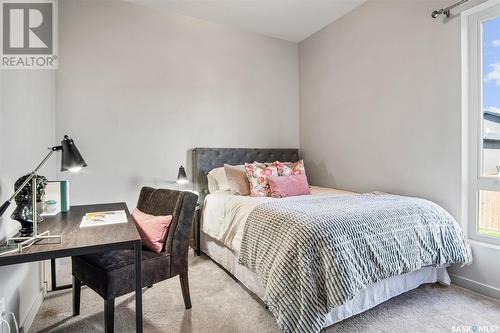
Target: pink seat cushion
(153,229)
(287,186)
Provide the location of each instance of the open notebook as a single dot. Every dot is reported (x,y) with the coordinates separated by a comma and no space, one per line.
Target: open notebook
(103,218)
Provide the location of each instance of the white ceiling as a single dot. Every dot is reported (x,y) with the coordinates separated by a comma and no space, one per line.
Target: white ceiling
(292,20)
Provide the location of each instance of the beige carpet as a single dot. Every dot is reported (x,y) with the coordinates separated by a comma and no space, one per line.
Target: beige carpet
(222,305)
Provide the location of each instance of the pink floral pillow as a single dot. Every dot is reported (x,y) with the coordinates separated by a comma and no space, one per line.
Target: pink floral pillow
(258,175)
(287,169)
(153,229)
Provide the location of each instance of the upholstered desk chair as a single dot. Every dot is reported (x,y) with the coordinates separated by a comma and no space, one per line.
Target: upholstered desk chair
(111,274)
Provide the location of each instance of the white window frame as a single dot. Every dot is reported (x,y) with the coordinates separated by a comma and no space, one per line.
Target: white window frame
(472,103)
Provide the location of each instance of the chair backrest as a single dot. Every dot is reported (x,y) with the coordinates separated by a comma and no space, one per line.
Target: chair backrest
(181,205)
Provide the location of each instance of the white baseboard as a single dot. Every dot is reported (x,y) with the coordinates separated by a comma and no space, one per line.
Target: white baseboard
(475,286)
(30,317)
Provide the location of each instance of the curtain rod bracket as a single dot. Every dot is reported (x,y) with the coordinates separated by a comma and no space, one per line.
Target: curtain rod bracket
(447,11)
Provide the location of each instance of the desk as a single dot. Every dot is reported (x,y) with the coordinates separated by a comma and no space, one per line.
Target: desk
(79,241)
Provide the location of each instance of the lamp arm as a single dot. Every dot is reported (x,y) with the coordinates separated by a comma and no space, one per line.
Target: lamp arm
(6,204)
(52,150)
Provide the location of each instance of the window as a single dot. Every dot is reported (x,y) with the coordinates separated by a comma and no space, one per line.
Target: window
(482,68)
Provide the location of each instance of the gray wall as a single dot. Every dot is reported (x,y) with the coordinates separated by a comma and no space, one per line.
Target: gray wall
(380,109)
(137,87)
(27,128)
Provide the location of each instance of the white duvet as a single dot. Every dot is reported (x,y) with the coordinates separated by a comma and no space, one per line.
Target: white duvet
(224,214)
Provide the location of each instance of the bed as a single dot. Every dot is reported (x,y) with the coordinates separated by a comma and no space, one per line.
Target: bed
(224,224)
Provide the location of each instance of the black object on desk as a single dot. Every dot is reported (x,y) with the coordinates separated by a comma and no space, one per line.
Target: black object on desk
(80,241)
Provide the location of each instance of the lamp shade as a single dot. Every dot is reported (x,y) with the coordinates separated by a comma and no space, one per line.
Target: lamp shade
(181,176)
(71,159)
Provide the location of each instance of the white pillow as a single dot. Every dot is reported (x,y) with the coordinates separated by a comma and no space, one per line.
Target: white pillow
(212,184)
(217,180)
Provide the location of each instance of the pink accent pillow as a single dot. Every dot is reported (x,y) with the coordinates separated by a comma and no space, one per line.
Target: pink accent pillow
(153,229)
(288,186)
(258,175)
(287,168)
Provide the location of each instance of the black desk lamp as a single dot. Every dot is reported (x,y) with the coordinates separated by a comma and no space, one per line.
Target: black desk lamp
(71,161)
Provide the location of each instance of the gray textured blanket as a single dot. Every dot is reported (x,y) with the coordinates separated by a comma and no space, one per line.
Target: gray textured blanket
(315,253)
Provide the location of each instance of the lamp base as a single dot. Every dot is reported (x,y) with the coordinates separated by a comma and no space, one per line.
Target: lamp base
(25,242)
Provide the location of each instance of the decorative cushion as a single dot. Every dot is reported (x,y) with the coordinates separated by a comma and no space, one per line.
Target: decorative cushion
(287,186)
(258,175)
(217,180)
(287,168)
(237,179)
(153,229)
(212,183)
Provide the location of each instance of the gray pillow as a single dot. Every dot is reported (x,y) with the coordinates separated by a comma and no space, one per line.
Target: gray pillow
(237,179)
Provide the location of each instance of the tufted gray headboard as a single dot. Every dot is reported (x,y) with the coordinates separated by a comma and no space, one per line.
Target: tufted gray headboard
(206,159)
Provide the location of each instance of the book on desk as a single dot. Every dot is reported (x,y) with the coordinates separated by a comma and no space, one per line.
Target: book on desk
(96,219)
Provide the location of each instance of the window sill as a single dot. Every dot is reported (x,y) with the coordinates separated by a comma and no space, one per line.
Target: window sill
(484,244)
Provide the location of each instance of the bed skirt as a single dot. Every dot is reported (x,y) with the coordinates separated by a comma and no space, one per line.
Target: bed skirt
(366,299)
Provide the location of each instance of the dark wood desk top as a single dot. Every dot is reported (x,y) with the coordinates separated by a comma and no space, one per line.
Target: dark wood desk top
(76,240)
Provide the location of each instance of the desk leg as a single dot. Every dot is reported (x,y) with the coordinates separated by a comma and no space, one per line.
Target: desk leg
(53,278)
(138,286)
(198,241)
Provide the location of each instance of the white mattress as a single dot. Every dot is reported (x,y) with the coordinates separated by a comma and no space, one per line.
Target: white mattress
(223,219)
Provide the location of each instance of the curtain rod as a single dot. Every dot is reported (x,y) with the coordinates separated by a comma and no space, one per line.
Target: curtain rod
(447,11)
